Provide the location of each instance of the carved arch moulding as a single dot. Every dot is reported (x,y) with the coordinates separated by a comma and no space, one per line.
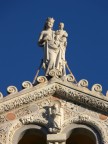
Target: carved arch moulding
(15,130)
(99,126)
(81,119)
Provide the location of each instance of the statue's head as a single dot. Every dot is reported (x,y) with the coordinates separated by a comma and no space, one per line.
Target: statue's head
(49,23)
(61,26)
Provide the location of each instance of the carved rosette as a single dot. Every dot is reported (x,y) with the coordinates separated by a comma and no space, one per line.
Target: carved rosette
(12,89)
(41,79)
(83,83)
(55,73)
(26,84)
(97,88)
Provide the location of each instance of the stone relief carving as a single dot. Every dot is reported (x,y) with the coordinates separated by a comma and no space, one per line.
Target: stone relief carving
(64,91)
(31,119)
(55,118)
(58,117)
(2,119)
(12,129)
(82,98)
(23,111)
(28,98)
(2,136)
(100,127)
(3,133)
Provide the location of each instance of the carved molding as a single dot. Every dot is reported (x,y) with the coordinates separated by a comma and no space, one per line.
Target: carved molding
(23,121)
(27,98)
(85,119)
(79,119)
(15,126)
(61,91)
(31,119)
(77,96)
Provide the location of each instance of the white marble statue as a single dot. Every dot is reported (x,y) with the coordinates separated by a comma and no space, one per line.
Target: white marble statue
(46,40)
(61,39)
(54,43)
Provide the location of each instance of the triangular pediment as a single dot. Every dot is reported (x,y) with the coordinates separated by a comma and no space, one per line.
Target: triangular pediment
(61,88)
(73,102)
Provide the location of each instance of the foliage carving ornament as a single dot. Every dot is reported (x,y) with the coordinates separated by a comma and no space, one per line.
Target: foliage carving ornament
(28,98)
(61,91)
(82,98)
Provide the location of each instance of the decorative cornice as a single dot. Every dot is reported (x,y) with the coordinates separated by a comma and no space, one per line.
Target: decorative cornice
(82,98)
(78,93)
(27,98)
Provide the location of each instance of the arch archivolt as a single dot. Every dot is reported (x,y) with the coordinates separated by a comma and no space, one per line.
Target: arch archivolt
(98,125)
(94,123)
(18,126)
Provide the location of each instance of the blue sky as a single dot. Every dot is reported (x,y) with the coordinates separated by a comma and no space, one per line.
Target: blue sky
(21,22)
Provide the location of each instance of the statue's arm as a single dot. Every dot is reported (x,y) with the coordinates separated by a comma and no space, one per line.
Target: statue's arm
(41,40)
(65,34)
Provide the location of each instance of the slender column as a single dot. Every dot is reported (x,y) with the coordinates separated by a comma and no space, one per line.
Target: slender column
(56,139)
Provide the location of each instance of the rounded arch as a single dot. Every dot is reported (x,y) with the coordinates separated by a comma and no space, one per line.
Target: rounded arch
(82,132)
(28,129)
(92,124)
(17,129)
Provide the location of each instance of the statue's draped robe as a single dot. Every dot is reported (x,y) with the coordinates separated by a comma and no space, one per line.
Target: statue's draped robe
(50,50)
